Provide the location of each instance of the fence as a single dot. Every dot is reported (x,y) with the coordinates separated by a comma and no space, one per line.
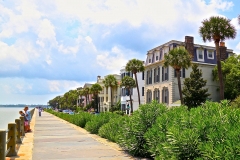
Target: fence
(11,137)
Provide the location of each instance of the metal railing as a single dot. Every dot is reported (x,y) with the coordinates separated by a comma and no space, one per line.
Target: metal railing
(11,137)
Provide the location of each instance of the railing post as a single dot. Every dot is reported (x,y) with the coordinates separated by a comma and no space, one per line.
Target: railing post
(18,127)
(22,126)
(12,143)
(2,144)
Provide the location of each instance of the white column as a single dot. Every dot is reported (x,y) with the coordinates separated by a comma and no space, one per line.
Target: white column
(109,98)
(104,94)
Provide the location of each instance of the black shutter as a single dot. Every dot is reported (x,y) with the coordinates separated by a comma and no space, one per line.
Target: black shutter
(163,96)
(143,75)
(167,73)
(162,74)
(175,73)
(158,77)
(183,72)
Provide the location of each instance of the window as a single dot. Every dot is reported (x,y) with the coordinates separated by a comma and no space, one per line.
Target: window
(156,95)
(150,77)
(164,74)
(142,91)
(158,75)
(147,77)
(156,58)
(160,55)
(200,55)
(154,75)
(149,96)
(210,54)
(153,57)
(149,61)
(165,96)
(182,73)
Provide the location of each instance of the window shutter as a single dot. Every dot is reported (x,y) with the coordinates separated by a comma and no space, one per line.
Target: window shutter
(162,74)
(158,77)
(175,73)
(167,97)
(143,75)
(163,96)
(167,73)
(183,72)
(147,79)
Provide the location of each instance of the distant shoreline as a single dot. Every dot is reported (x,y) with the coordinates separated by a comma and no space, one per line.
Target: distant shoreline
(23,105)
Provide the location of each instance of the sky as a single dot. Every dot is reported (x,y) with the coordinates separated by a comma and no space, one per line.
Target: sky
(50,47)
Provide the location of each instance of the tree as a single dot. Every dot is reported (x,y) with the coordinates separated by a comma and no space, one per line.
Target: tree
(231,76)
(95,89)
(81,93)
(135,66)
(110,81)
(178,58)
(129,83)
(86,92)
(194,92)
(217,29)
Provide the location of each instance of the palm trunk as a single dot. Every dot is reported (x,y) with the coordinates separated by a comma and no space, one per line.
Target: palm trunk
(179,86)
(219,67)
(129,91)
(97,102)
(135,75)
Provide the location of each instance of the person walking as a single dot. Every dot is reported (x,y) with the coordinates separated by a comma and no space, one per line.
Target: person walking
(39,111)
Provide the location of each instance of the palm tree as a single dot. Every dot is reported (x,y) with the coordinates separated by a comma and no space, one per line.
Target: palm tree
(129,83)
(217,29)
(178,58)
(81,93)
(110,81)
(86,92)
(135,66)
(95,89)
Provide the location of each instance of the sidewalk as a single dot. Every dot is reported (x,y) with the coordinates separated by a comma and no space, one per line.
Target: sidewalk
(57,139)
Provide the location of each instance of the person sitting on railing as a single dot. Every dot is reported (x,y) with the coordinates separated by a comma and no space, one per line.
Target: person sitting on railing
(28,116)
(25,121)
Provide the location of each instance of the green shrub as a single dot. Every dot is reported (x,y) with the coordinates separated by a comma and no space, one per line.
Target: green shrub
(98,120)
(113,129)
(81,119)
(208,132)
(236,102)
(132,138)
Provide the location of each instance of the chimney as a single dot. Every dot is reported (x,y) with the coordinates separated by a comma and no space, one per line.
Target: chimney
(98,77)
(223,51)
(189,45)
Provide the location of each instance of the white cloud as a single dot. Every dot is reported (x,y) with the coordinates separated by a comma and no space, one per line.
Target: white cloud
(222,5)
(62,85)
(46,33)
(115,59)
(20,19)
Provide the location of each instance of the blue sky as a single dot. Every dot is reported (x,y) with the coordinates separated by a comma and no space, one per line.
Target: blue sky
(50,47)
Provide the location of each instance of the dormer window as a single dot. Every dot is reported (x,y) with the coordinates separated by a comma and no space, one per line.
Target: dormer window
(200,54)
(210,54)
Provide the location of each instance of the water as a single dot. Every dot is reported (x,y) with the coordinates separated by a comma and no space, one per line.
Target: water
(8,115)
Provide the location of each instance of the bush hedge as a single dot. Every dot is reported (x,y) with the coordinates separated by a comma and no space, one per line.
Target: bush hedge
(210,131)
